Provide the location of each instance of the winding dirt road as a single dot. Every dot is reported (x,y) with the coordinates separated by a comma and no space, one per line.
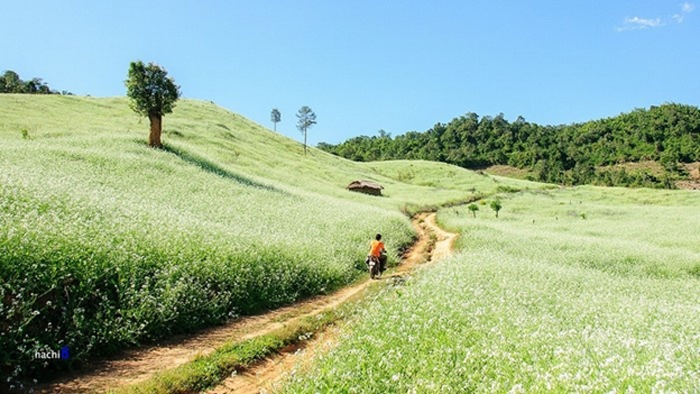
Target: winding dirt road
(267,375)
(138,365)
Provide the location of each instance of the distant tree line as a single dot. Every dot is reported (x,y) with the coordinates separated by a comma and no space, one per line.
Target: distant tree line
(579,153)
(10,82)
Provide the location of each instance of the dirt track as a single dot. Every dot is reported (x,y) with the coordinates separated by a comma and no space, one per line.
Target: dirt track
(139,365)
(267,375)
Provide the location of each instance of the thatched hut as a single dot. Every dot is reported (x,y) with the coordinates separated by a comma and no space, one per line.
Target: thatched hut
(366,187)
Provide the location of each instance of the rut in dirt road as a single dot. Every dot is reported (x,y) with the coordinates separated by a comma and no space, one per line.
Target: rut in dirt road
(269,374)
(139,365)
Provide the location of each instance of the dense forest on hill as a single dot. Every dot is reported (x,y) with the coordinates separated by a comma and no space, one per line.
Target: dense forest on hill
(10,82)
(580,153)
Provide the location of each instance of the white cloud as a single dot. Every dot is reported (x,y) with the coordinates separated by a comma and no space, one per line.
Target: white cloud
(637,23)
(686,9)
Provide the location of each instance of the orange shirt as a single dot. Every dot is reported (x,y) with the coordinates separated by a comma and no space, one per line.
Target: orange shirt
(376,248)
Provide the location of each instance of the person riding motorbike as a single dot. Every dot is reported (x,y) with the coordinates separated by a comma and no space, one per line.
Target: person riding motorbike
(377,251)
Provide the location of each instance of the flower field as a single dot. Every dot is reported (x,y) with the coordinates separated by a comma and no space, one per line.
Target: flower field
(573,290)
(105,243)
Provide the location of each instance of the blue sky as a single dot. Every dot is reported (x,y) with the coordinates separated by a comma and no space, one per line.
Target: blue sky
(369,65)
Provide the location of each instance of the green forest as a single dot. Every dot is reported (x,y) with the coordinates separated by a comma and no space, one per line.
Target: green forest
(579,153)
(10,82)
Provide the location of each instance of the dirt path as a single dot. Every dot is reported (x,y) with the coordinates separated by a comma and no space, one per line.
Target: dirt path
(269,374)
(138,365)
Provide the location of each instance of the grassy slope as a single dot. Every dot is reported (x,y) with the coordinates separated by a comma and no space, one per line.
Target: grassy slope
(692,182)
(540,300)
(508,171)
(105,242)
(442,183)
(203,134)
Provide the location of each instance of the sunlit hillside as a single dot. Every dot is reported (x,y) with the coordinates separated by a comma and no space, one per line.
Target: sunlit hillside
(585,289)
(105,242)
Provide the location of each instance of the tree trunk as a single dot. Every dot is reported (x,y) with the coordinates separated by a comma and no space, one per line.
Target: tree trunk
(156,125)
(304,142)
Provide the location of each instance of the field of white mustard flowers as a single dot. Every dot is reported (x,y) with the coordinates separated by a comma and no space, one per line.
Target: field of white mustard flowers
(572,290)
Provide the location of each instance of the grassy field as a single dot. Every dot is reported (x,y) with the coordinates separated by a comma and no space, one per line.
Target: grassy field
(570,290)
(105,243)
(443,184)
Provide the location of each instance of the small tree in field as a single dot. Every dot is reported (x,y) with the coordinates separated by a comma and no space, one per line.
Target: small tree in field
(307,118)
(473,208)
(151,93)
(275,117)
(496,206)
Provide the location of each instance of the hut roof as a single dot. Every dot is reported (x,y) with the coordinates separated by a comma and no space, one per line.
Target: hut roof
(361,183)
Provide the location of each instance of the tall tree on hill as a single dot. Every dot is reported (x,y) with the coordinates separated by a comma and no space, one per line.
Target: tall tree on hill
(275,117)
(151,93)
(307,118)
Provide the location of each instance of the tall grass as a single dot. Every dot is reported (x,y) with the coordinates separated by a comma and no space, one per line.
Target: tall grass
(105,243)
(539,300)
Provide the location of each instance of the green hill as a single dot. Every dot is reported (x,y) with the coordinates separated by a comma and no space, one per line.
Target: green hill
(580,153)
(105,243)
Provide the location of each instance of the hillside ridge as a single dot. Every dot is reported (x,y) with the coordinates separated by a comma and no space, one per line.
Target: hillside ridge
(578,153)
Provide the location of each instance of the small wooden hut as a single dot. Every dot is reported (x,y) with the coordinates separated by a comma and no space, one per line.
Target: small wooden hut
(366,187)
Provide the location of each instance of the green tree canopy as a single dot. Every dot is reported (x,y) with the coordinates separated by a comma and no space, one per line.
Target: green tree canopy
(151,93)
(581,153)
(473,208)
(10,82)
(496,206)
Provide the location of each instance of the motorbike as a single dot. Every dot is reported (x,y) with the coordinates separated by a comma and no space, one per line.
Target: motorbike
(376,265)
